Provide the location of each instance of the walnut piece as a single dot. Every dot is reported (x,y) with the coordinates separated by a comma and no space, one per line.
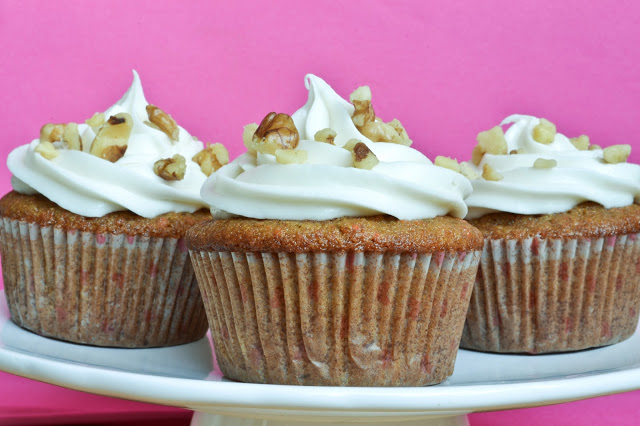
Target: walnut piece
(581,142)
(47,150)
(379,131)
(325,135)
(468,171)
(490,174)
(164,122)
(543,163)
(476,155)
(544,132)
(363,157)
(447,163)
(276,131)
(51,132)
(96,121)
(71,137)
(291,156)
(363,111)
(112,139)
(247,136)
(616,153)
(492,141)
(172,168)
(211,158)
(593,147)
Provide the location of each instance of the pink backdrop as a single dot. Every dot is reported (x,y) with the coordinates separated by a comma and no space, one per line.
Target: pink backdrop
(446,69)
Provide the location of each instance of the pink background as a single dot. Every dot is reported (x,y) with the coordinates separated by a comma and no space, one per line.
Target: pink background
(446,69)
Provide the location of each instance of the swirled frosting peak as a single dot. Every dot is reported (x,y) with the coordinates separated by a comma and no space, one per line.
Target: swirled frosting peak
(544,178)
(326,185)
(91,186)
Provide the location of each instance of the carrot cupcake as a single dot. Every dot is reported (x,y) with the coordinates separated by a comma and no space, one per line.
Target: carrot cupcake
(560,269)
(337,255)
(92,234)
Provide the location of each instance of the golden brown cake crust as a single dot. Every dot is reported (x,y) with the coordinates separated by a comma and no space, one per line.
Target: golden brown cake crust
(587,220)
(38,209)
(370,234)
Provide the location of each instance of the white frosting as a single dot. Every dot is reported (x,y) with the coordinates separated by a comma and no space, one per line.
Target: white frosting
(579,176)
(405,184)
(90,186)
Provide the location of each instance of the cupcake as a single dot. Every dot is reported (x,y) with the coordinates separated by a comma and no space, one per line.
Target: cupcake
(92,234)
(560,268)
(337,255)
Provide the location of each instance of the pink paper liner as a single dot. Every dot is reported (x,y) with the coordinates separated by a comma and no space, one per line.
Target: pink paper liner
(538,296)
(100,289)
(336,319)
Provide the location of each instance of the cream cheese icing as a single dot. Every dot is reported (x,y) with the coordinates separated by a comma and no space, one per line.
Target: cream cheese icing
(578,177)
(405,183)
(90,186)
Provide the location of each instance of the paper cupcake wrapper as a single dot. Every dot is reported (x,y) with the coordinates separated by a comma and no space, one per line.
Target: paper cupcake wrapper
(100,289)
(537,296)
(338,319)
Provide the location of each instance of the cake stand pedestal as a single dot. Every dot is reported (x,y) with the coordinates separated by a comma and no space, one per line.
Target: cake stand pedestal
(186,376)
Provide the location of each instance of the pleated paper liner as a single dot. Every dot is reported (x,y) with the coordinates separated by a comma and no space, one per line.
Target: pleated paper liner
(539,296)
(336,319)
(100,289)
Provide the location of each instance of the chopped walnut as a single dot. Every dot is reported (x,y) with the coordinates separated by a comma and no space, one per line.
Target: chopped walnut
(172,168)
(616,153)
(581,142)
(247,136)
(363,157)
(71,137)
(379,131)
(51,132)
(112,139)
(447,163)
(403,137)
(492,141)
(476,155)
(47,150)
(468,171)
(96,121)
(593,147)
(543,163)
(544,132)
(513,152)
(276,131)
(291,156)
(164,122)
(325,135)
(212,158)
(490,174)
(363,111)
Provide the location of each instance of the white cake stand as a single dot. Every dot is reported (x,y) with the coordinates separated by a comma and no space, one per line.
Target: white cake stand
(186,376)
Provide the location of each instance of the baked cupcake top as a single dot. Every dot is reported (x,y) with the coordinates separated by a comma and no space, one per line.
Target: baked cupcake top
(532,169)
(131,157)
(333,159)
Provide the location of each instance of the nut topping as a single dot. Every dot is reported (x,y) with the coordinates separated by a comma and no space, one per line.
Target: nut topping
(468,171)
(51,132)
(291,156)
(47,150)
(247,136)
(71,137)
(164,122)
(172,168)
(363,113)
(325,135)
(363,157)
(543,163)
(112,139)
(96,121)
(593,146)
(276,131)
(616,153)
(447,163)
(490,174)
(212,158)
(544,132)
(581,142)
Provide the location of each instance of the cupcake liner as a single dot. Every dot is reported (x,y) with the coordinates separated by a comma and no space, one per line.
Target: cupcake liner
(336,319)
(100,289)
(552,295)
